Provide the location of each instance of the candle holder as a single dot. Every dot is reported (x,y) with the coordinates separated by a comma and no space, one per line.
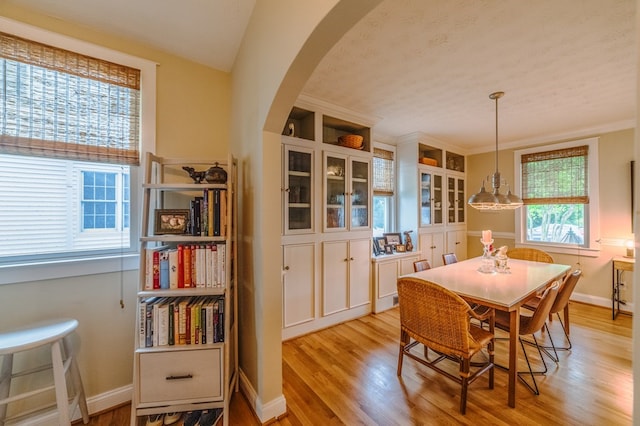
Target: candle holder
(488,264)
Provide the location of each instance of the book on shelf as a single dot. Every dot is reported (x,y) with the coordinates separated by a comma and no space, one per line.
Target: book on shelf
(173,268)
(164,269)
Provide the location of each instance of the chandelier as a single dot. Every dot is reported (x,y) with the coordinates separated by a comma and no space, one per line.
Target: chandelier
(484,200)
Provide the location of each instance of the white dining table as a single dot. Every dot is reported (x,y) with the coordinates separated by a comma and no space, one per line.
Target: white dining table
(501,291)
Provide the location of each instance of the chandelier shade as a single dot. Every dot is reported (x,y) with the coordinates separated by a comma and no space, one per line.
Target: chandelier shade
(495,200)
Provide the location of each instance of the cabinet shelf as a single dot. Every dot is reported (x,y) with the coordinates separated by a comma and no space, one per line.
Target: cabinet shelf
(179,348)
(300,174)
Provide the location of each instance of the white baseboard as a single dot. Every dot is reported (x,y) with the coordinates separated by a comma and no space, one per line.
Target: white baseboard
(95,404)
(600,301)
(265,411)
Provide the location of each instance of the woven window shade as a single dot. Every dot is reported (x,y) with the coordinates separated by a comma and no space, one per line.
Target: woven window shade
(556,177)
(61,104)
(382,172)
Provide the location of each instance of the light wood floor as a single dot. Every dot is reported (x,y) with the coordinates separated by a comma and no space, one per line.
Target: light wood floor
(347,375)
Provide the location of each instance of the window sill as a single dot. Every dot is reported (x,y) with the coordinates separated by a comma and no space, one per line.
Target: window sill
(37,271)
(576,251)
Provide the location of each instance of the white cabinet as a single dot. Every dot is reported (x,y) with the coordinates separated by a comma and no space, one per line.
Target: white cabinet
(347,192)
(431,202)
(386,270)
(185,355)
(298,289)
(432,247)
(346,280)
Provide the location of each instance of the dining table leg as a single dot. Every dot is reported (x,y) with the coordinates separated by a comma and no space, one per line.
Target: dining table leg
(514,330)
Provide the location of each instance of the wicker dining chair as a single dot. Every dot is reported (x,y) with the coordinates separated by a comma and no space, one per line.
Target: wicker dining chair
(535,255)
(560,304)
(421,265)
(529,325)
(449,258)
(440,319)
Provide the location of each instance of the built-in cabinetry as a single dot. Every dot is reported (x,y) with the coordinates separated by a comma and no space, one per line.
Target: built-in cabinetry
(432,196)
(326,228)
(185,357)
(386,270)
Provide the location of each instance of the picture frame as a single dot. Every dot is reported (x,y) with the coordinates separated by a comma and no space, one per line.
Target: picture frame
(388,249)
(393,238)
(376,247)
(171,221)
(401,248)
(379,242)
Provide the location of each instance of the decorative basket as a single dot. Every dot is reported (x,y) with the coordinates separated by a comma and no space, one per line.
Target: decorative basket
(351,141)
(429,161)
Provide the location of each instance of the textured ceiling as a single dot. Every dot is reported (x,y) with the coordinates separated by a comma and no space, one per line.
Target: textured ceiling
(429,66)
(568,67)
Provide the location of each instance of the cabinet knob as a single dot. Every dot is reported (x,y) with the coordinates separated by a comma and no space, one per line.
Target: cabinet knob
(432,247)
(286,268)
(346,260)
(457,242)
(351,258)
(287,190)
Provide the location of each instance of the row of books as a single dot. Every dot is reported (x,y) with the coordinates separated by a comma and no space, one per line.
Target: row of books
(169,321)
(186,266)
(208,214)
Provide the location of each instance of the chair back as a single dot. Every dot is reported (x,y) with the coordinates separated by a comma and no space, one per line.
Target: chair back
(434,316)
(535,255)
(539,317)
(421,265)
(449,258)
(566,288)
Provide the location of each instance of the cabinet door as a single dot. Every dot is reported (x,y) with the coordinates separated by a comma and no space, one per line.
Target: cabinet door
(360,193)
(298,190)
(432,247)
(456,201)
(387,278)
(430,198)
(359,272)
(335,270)
(406,265)
(335,189)
(298,284)
(457,243)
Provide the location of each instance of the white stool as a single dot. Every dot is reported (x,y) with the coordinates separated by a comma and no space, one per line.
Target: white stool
(55,333)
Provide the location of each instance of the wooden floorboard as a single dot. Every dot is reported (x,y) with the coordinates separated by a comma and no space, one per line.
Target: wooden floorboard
(346,374)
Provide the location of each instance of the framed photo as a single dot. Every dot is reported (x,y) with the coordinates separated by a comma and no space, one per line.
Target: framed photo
(171,221)
(400,248)
(393,238)
(388,249)
(379,243)
(376,247)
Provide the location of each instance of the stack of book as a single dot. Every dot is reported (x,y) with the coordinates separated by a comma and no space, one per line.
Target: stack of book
(186,266)
(208,214)
(168,321)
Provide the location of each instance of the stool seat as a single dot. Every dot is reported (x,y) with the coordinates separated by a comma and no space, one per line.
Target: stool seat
(35,335)
(53,333)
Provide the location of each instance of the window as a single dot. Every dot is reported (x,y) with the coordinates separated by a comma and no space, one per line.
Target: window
(559,184)
(71,131)
(383,189)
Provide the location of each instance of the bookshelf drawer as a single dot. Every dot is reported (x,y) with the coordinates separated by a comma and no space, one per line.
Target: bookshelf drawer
(193,375)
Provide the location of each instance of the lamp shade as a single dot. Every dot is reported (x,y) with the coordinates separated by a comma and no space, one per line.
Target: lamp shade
(483,200)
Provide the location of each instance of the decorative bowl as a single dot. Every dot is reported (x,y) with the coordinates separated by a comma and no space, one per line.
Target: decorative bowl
(351,141)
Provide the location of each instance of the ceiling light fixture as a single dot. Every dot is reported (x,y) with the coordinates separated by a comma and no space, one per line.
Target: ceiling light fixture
(484,200)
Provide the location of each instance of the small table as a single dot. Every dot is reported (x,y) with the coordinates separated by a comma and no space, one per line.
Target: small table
(505,292)
(620,264)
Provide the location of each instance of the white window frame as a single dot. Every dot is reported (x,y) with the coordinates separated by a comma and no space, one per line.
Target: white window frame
(591,214)
(127,259)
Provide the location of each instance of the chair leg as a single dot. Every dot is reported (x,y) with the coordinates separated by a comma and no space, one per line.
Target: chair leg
(403,337)
(532,373)
(5,384)
(464,376)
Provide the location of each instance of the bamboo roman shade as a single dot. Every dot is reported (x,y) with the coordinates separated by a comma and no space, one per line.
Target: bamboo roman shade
(556,177)
(61,104)
(382,172)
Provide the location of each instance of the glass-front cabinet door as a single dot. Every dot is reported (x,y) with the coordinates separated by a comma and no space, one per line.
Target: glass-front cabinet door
(360,198)
(298,190)
(455,199)
(335,188)
(430,198)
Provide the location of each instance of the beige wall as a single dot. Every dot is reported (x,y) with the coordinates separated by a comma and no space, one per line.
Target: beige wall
(615,151)
(193,111)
